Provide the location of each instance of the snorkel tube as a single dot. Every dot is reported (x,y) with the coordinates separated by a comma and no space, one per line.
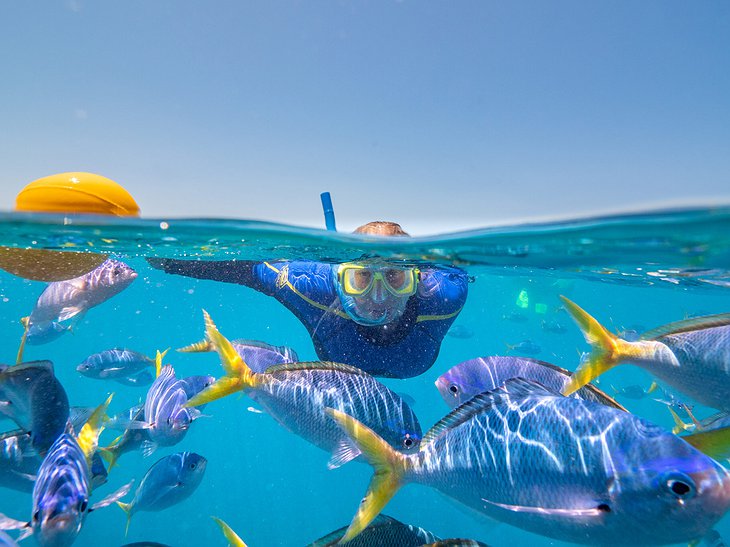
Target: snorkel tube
(329,212)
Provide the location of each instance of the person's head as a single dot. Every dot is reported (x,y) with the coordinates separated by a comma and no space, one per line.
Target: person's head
(375,292)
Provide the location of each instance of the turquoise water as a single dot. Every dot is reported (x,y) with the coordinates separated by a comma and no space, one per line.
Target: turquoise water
(632,272)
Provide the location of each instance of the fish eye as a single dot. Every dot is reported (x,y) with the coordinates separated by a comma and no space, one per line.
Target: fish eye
(84,506)
(453,388)
(408,442)
(193,465)
(680,486)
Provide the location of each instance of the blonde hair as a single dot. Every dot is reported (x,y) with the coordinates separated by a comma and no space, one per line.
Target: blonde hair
(381,228)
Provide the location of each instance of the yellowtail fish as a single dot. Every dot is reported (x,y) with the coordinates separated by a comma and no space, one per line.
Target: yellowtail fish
(63,487)
(297,394)
(229,534)
(693,355)
(118,364)
(566,468)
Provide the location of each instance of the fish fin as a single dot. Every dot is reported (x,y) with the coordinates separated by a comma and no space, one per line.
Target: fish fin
(109,455)
(6,523)
(608,349)
(652,388)
(229,534)
(714,442)
(389,466)
(195,414)
(88,437)
(25,321)
(197,347)
(569,513)
(127,508)
(68,312)
(158,361)
(514,388)
(26,476)
(114,497)
(689,412)
(317,365)
(344,452)
(148,448)
(688,325)
(238,374)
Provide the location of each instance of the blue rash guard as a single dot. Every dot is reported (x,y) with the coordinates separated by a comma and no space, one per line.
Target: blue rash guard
(403,348)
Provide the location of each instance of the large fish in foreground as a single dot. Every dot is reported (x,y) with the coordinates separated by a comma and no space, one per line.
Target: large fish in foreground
(565,468)
(469,378)
(32,396)
(297,394)
(64,300)
(693,355)
(63,487)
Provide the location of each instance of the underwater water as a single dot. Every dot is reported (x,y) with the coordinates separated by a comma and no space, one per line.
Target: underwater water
(633,273)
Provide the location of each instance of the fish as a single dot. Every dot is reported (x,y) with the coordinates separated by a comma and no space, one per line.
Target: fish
(32,396)
(691,356)
(72,298)
(169,481)
(256,354)
(296,395)
(114,364)
(565,468)
(469,378)
(635,391)
(233,539)
(516,317)
(44,332)
(62,490)
(383,531)
(554,327)
(528,347)
(132,439)
(460,331)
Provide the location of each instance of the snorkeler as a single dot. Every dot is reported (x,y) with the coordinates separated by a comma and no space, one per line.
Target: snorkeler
(384,318)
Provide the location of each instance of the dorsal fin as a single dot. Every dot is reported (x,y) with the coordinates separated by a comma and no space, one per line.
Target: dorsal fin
(29,365)
(514,388)
(688,325)
(316,365)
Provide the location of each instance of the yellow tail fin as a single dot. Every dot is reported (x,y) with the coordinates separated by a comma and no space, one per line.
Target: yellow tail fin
(230,535)
(715,442)
(109,455)
(608,349)
(158,361)
(197,347)
(679,425)
(88,437)
(390,469)
(127,508)
(25,321)
(238,374)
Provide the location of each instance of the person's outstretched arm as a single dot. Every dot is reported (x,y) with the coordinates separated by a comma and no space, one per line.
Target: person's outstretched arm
(228,271)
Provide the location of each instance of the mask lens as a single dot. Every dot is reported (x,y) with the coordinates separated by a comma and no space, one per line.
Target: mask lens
(361,279)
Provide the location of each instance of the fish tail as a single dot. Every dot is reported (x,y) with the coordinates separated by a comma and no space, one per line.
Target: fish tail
(88,437)
(608,350)
(229,534)
(198,347)
(159,356)
(652,388)
(127,508)
(25,321)
(390,469)
(714,443)
(238,375)
(110,455)
(679,424)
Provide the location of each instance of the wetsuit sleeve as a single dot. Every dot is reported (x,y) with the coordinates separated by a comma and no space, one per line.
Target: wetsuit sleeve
(240,272)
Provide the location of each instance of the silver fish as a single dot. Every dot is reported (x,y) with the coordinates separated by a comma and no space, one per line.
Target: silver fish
(169,481)
(114,363)
(566,468)
(693,355)
(33,398)
(469,378)
(528,347)
(384,531)
(297,394)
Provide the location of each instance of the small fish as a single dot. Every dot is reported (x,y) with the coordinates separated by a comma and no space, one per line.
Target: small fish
(169,481)
(690,355)
(32,396)
(528,347)
(383,531)
(63,300)
(115,363)
(469,378)
(63,487)
(554,327)
(565,468)
(460,331)
(634,391)
(296,395)
(257,355)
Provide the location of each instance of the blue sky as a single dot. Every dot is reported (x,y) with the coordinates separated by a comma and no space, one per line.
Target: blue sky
(441,115)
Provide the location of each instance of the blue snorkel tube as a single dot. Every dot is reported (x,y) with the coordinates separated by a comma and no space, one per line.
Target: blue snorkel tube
(329,212)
